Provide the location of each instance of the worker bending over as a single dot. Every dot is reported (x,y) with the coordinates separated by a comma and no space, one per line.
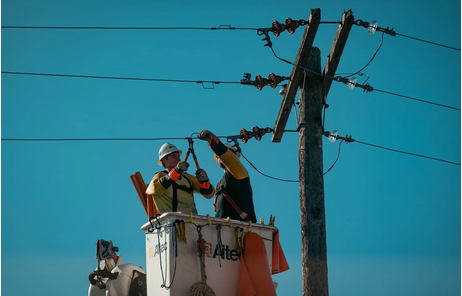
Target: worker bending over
(234,192)
(173,188)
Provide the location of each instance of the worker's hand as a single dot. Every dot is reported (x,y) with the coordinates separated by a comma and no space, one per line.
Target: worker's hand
(201,176)
(205,135)
(182,167)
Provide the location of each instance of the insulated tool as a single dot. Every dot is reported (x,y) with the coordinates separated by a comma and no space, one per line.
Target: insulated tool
(191,151)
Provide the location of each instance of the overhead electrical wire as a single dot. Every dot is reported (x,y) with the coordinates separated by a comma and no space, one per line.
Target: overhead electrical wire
(438,44)
(130,139)
(284,180)
(419,100)
(408,153)
(221,27)
(348,140)
(88,139)
(370,61)
(369,88)
(372,27)
(338,154)
(120,78)
(366,87)
(205,81)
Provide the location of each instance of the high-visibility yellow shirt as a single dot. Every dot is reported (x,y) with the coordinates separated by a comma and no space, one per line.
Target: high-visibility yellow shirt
(162,189)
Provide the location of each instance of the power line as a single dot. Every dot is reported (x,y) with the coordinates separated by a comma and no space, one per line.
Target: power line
(394,150)
(88,139)
(119,78)
(415,99)
(450,47)
(221,27)
(367,87)
(338,79)
(284,180)
(129,139)
(338,154)
(370,61)
(109,139)
(372,27)
(350,140)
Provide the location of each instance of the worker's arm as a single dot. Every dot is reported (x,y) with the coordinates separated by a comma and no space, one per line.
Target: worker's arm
(163,180)
(230,160)
(206,189)
(159,183)
(227,157)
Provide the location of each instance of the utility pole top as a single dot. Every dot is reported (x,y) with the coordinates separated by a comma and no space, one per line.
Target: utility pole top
(297,73)
(310,129)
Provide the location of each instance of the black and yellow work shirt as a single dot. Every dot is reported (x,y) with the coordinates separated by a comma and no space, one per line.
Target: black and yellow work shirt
(236,183)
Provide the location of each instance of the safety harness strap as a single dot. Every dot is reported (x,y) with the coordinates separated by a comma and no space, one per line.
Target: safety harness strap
(177,187)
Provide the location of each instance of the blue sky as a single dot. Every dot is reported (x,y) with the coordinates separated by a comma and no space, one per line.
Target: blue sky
(392,219)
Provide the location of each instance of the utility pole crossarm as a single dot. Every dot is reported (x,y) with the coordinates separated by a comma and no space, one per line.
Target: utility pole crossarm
(336,51)
(297,73)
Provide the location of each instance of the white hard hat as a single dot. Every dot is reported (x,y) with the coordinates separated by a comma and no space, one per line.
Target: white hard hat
(167,149)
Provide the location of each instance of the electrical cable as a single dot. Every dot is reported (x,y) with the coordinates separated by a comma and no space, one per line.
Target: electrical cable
(186,138)
(221,27)
(420,100)
(371,89)
(394,150)
(286,61)
(105,139)
(358,72)
(265,174)
(203,81)
(350,140)
(219,82)
(338,154)
(450,47)
(89,139)
(118,78)
(373,27)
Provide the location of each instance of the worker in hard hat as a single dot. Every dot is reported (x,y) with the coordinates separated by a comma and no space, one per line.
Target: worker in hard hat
(173,188)
(234,192)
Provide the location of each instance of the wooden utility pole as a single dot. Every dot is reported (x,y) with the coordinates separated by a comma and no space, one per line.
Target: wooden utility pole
(312,213)
(314,88)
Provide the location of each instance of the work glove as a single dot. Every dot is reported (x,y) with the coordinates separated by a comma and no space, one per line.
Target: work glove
(182,167)
(201,176)
(205,135)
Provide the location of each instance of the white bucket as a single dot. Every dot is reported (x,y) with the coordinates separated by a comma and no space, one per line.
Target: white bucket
(170,274)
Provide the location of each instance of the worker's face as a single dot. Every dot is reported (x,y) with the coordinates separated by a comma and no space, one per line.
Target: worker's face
(170,161)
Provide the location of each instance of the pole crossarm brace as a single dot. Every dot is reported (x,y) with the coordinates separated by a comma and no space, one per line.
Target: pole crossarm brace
(297,73)
(336,51)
